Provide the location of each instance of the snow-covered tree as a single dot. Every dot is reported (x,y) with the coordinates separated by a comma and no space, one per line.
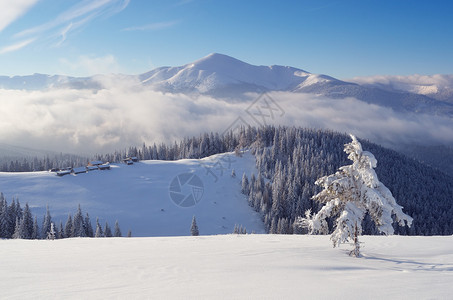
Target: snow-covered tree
(348,195)
(52,232)
(27,220)
(61,231)
(78,228)
(194,227)
(117,230)
(99,232)
(107,230)
(18,229)
(46,224)
(35,233)
(68,227)
(88,227)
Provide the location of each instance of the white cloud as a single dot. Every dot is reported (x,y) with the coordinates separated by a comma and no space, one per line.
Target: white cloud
(437,86)
(11,10)
(125,113)
(16,46)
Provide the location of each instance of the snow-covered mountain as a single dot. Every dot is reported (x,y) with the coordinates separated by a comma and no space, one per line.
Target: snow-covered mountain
(145,197)
(437,86)
(222,76)
(219,75)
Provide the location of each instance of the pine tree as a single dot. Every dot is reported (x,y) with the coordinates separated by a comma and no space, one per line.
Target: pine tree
(117,229)
(194,227)
(107,230)
(27,220)
(349,194)
(129,233)
(78,229)
(52,233)
(35,233)
(68,227)
(99,232)
(46,224)
(4,219)
(88,227)
(18,230)
(61,234)
(245,185)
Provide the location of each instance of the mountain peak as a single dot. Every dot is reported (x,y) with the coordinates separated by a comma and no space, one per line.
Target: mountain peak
(218,61)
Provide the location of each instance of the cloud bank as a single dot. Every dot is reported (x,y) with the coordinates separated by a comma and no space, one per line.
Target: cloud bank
(125,113)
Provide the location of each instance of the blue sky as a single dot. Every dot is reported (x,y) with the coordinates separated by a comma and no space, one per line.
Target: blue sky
(339,38)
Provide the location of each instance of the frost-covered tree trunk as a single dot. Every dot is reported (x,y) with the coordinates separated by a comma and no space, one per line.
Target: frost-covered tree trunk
(348,195)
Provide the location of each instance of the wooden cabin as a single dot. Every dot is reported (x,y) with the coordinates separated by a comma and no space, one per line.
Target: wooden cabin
(95,163)
(63,172)
(79,170)
(105,166)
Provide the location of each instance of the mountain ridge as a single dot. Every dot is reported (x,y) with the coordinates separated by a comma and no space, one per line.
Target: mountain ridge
(222,76)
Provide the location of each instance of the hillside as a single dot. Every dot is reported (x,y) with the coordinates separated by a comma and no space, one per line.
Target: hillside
(227,267)
(278,184)
(138,196)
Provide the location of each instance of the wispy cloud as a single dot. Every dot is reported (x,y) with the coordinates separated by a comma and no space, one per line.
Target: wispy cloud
(74,17)
(11,10)
(152,26)
(16,46)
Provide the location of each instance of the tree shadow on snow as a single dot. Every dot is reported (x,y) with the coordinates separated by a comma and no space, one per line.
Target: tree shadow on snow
(412,265)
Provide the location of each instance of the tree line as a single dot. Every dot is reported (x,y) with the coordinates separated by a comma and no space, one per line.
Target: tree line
(19,223)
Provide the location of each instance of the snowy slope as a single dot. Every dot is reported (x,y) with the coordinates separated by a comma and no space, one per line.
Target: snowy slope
(217,71)
(138,196)
(227,267)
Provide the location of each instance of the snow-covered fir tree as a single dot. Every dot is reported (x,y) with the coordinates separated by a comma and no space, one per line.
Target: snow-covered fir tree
(99,232)
(52,233)
(68,227)
(78,228)
(194,227)
(88,227)
(27,222)
(107,230)
(348,195)
(35,233)
(117,230)
(46,224)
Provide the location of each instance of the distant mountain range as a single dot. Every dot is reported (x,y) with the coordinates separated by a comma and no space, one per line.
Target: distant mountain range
(223,76)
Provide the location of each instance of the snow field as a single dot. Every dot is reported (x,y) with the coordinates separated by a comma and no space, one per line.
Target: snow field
(227,267)
(138,195)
